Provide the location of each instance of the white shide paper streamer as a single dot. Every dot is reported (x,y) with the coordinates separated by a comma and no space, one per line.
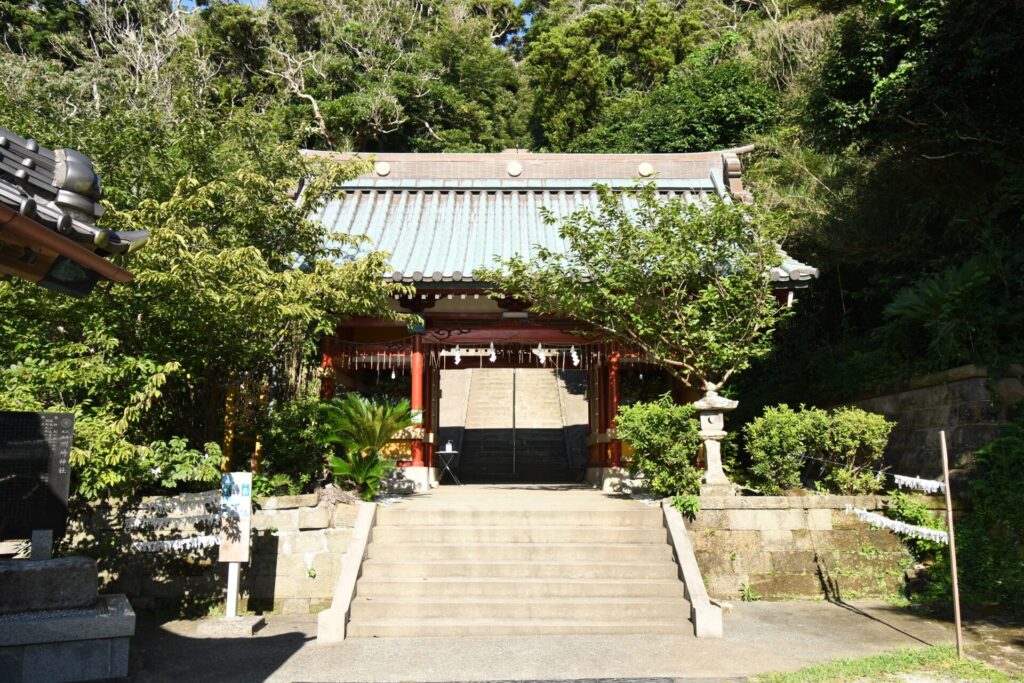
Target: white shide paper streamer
(926,485)
(177,544)
(164,522)
(897,527)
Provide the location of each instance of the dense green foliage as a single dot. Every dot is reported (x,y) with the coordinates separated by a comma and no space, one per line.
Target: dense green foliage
(665,444)
(362,427)
(775,443)
(888,136)
(990,537)
(687,284)
(191,360)
(901,163)
(704,104)
(839,451)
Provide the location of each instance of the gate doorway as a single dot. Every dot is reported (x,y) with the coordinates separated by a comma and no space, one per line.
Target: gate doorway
(515,424)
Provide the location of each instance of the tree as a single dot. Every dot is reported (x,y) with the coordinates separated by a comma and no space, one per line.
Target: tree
(599,52)
(686,284)
(399,75)
(704,104)
(218,330)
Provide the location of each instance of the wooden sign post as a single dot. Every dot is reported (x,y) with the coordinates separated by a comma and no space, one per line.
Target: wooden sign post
(952,548)
(235,518)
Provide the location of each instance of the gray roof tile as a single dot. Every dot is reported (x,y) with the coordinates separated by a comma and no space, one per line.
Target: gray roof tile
(463,216)
(60,190)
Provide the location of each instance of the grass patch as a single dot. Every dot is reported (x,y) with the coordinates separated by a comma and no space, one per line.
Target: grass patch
(940,660)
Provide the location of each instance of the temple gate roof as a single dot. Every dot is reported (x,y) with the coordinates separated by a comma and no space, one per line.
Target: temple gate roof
(442,216)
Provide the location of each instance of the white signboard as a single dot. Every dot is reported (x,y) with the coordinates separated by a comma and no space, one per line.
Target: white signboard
(235,516)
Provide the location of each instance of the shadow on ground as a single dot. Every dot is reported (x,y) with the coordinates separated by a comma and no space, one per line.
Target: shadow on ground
(166,651)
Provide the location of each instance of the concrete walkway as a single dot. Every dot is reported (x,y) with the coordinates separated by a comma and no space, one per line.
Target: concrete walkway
(759,637)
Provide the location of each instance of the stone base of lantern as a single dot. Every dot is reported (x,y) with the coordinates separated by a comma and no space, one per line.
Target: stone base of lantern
(727,489)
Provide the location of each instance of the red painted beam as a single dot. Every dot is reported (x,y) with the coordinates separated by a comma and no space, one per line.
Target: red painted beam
(520,335)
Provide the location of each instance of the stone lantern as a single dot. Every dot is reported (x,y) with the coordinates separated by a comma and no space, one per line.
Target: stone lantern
(712,409)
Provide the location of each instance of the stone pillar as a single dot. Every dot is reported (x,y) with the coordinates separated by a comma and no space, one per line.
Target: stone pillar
(416,397)
(614,446)
(712,409)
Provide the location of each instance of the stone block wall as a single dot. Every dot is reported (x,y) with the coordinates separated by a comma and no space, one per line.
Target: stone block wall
(964,401)
(296,553)
(795,547)
(298,543)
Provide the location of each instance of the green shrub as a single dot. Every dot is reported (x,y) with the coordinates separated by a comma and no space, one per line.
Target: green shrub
(687,505)
(854,441)
(293,459)
(366,471)
(775,442)
(990,537)
(911,509)
(840,451)
(665,442)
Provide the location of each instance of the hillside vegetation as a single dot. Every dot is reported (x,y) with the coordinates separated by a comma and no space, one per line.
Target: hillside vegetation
(888,137)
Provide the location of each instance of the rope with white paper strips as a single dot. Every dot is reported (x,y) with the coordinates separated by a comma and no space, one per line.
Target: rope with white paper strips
(177,544)
(898,527)
(918,484)
(163,522)
(901,481)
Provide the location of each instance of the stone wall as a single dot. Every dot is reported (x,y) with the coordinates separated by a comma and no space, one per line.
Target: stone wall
(963,401)
(795,547)
(296,552)
(298,543)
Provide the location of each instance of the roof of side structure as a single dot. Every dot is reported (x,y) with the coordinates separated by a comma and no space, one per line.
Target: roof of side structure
(443,216)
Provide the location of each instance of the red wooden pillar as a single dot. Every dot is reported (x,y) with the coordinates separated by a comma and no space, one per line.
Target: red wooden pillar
(428,413)
(602,416)
(615,445)
(594,456)
(416,400)
(327,366)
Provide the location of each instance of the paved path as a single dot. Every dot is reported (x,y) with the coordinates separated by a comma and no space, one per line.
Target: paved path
(760,637)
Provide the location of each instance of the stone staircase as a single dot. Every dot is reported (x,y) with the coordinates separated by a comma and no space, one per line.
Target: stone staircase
(535,450)
(585,565)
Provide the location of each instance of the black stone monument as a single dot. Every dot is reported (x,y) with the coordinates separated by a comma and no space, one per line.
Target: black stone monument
(35,473)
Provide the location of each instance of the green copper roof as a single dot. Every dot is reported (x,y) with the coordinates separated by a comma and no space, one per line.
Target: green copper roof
(458,216)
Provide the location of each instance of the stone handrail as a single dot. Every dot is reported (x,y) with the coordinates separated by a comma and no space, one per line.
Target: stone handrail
(706,616)
(332,623)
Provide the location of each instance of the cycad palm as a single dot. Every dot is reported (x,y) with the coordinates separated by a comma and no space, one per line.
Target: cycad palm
(361,425)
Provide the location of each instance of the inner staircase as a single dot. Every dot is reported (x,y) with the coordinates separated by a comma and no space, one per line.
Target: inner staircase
(515,427)
(557,562)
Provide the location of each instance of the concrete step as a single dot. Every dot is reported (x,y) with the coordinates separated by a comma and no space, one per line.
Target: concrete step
(405,628)
(520,552)
(649,517)
(596,609)
(453,569)
(518,534)
(464,587)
